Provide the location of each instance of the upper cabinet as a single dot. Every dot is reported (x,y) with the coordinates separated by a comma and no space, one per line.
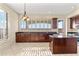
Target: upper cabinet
(54,23)
(74,22)
(77,20)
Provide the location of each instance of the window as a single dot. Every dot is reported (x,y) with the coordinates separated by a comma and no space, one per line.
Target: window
(22,24)
(60,27)
(40,25)
(34,24)
(3,25)
(60,24)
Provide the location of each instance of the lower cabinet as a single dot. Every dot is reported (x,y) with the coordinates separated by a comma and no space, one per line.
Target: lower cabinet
(22,37)
(32,37)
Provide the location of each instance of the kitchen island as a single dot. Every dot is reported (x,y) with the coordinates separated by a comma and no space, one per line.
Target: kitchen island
(63,45)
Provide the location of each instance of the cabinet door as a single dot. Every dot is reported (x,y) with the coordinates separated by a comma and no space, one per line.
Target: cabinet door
(71,45)
(18,35)
(54,23)
(59,45)
(46,36)
(41,37)
(72,23)
(34,37)
(27,37)
(22,37)
(77,19)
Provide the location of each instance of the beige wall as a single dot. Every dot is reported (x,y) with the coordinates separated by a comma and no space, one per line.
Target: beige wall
(12,26)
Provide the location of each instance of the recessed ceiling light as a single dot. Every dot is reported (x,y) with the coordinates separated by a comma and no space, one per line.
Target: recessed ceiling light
(72,7)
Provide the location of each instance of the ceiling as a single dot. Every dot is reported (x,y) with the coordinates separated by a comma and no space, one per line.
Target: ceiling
(44,8)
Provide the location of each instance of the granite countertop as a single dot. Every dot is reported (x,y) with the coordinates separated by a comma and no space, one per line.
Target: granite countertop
(63,36)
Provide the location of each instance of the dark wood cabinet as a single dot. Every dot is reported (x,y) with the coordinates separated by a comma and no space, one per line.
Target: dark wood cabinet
(71,45)
(21,37)
(73,20)
(32,37)
(76,19)
(54,23)
(71,23)
(63,45)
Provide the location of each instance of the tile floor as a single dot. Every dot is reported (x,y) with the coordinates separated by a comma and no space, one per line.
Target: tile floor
(22,49)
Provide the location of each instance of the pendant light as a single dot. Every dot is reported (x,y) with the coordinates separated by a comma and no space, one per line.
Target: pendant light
(25,17)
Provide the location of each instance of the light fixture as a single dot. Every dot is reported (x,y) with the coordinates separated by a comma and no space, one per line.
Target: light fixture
(25,17)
